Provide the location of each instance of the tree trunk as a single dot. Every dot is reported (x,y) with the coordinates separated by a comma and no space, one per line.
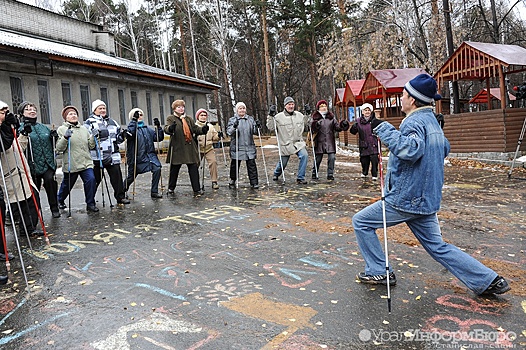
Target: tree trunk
(450,51)
(183,48)
(268,70)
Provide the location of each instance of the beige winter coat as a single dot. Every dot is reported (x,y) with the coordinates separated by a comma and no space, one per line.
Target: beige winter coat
(11,165)
(211,137)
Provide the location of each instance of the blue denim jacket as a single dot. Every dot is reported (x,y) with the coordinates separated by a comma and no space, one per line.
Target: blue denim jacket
(415,171)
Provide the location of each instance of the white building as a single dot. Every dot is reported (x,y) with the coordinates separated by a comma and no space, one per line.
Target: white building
(53,61)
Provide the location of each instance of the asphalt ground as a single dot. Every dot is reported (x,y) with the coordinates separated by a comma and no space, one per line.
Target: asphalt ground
(272,268)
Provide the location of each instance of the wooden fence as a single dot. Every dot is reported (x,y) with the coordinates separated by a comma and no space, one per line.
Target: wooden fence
(496,130)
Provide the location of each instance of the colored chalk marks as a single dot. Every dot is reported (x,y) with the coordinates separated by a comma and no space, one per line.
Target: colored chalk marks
(256,305)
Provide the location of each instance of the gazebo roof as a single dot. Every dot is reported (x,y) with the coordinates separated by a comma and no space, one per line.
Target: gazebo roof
(482,96)
(338,98)
(351,93)
(387,82)
(478,61)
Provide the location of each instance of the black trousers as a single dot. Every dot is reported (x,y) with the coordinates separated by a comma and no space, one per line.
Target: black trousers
(50,185)
(370,160)
(29,213)
(193,171)
(115,174)
(2,213)
(251,169)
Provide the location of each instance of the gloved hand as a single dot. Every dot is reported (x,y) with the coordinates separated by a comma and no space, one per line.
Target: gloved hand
(307,109)
(156,122)
(272,110)
(126,134)
(375,122)
(135,116)
(10,119)
(344,125)
(220,134)
(440,120)
(95,132)
(27,129)
(171,129)
(236,123)
(53,134)
(204,129)
(258,124)
(68,133)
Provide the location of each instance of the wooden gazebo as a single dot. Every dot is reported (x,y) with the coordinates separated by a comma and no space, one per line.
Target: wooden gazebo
(494,94)
(484,62)
(494,130)
(387,85)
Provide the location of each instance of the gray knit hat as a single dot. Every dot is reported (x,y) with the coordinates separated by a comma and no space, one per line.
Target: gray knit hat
(288,100)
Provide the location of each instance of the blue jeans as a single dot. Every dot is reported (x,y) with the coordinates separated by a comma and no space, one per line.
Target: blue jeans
(303,157)
(88,178)
(426,229)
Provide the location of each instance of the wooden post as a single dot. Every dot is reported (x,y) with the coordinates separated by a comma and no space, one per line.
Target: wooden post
(503,92)
(488,93)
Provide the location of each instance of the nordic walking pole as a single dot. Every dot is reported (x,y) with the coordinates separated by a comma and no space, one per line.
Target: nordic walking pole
(237,157)
(101,169)
(313,153)
(385,226)
(37,208)
(53,143)
(159,152)
(263,155)
(518,148)
(13,223)
(223,148)
(203,165)
(279,149)
(69,175)
(16,193)
(134,160)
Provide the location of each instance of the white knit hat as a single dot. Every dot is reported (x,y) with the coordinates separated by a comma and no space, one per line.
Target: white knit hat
(97,103)
(3,105)
(367,105)
(132,112)
(240,104)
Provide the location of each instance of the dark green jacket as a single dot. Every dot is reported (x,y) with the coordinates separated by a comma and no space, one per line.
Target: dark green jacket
(39,152)
(180,151)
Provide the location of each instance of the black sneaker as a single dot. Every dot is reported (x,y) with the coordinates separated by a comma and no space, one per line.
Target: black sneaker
(498,286)
(377,279)
(199,193)
(170,191)
(255,186)
(275,178)
(61,205)
(92,208)
(123,201)
(3,279)
(232,184)
(156,195)
(330,178)
(9,255)
(55,213)
(301,182)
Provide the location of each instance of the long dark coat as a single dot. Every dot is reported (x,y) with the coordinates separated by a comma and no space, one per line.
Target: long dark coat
(180,151)
(324,139)
(146,155)
(368,143)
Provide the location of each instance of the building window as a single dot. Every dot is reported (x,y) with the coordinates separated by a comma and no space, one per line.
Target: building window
(17,94)
(134,102)
(43,101)
(122,107)
(149,107)
(85,101)
(104,97)
(172,99)
(66,94)
(161,108)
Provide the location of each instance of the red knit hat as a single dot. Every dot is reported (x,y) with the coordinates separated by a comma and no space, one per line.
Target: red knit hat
(66,109)
(201,110)
(321,102)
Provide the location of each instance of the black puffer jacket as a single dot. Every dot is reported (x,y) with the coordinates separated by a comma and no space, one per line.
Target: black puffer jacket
(324,130)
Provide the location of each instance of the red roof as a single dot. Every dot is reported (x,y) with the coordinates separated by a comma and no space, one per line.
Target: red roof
(391,81)
(482,96)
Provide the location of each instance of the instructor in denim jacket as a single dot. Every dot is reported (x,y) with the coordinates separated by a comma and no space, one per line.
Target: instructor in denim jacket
(413,191)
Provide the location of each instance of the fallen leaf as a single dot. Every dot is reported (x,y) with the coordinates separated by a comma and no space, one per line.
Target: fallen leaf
(385,322)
